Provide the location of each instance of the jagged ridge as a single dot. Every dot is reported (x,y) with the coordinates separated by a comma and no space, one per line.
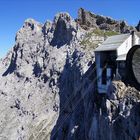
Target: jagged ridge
(48,88)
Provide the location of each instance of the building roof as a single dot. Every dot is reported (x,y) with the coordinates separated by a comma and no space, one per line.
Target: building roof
(112,43)
(121,57)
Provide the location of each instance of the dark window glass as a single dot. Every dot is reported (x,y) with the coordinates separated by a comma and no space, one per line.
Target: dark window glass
(104,77)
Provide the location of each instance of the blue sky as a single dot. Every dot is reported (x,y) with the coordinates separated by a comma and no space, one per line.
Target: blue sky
(14,12)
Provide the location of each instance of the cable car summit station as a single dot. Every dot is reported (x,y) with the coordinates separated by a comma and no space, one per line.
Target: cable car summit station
(115,57)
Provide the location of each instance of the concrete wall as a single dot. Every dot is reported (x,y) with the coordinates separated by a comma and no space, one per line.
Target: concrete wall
(125,47)
(137,40)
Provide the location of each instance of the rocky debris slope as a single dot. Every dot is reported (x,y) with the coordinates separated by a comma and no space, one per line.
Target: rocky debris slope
(48,88)
(87,20)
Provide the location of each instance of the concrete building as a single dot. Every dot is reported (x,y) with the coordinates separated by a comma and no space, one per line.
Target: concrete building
(110,58)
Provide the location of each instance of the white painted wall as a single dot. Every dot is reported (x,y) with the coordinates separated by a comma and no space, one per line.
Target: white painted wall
(125,47)
(137,40)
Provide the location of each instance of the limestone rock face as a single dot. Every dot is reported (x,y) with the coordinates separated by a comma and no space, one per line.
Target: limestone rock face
(33,74)
(65,30)
(48,88)
(88,20)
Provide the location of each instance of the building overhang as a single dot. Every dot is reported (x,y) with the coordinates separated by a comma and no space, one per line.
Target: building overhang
(121,57)
(112,43)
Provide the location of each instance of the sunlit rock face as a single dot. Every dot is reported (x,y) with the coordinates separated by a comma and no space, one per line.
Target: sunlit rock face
(48,88)
(88,20)
(44,65)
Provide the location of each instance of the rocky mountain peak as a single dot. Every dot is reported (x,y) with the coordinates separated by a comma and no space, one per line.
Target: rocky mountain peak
(64,30)
(30,31)
(31,23)
(35,41)
(62,16)
(89,20)
(48,85)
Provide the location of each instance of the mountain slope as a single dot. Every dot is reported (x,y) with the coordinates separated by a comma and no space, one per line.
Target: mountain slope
(48,87)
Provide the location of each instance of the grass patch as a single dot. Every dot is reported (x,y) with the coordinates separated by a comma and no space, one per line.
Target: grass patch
(104,33)
(87,41)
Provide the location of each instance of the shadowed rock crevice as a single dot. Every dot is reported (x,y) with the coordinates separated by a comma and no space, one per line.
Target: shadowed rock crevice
(63,32)
(37,70)
(70,100)
(13,64)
